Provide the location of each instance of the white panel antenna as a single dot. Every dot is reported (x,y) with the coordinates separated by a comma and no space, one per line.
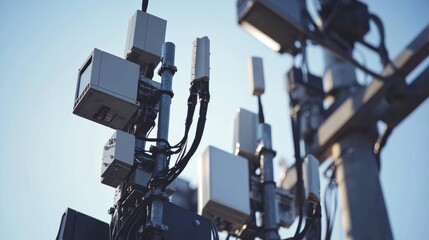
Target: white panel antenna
(256,76)
(245,139)
(223,190)
(310,170)
(200,60)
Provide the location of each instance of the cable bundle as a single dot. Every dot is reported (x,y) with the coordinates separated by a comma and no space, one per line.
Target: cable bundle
(200,89)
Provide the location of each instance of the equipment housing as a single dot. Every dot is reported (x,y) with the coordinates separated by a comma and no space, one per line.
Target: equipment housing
(106,90)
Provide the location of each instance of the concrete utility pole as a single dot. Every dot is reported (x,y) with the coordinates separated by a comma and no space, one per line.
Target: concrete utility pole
(351,131)
(370,102)
(363,211)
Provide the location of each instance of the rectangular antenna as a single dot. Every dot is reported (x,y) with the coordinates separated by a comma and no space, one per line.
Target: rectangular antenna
(256,76)
(200,60)
(223,190)
(245,139)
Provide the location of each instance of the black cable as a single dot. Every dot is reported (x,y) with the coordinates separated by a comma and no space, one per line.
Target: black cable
(295,118)
(301,235)
(192,102)
(197,139)
(131,229)
(144,5)
(110,231)
(133,226)
(330,213)
(313,212)
(167,177)
(114,222)
(315,231)
(325,41)
(382,46)
(298,164)
(261,110)
(330,191)
(198,136)
(380,143)
(181,146)
(182,151)
(320,37)
(215,231)
(136,212)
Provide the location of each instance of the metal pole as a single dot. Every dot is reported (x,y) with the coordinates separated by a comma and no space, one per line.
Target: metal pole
(166,72)
(269,186)
(363,211)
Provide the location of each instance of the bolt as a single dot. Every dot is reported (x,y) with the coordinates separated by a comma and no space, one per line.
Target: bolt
(196,223)
(111,211)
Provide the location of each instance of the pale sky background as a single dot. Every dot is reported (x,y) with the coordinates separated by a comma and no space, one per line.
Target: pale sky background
(51,159)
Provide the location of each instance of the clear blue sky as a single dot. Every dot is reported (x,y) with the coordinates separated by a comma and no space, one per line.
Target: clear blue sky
(50,158)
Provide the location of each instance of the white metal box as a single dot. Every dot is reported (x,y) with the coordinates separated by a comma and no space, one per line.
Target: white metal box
(106,90)
(310,171)
(146,34)
(118,158)
(256,76)
(224,187)
(200,59)
(245,136)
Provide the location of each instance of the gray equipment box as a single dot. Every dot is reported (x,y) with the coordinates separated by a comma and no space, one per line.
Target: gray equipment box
(118,158)
(106,90)
(278,24)
(146,34)
(223,190)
